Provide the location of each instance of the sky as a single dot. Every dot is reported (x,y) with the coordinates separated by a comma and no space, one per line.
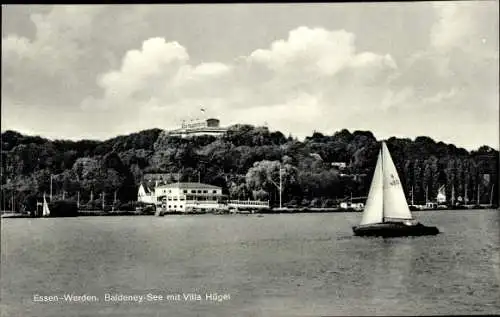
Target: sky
(396,69)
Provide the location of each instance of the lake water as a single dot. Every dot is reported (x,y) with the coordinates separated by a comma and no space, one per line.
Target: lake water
(276,265)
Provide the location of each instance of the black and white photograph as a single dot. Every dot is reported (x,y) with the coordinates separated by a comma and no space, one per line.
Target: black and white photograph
(250,159)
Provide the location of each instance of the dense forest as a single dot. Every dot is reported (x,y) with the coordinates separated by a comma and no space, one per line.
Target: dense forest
(245,162)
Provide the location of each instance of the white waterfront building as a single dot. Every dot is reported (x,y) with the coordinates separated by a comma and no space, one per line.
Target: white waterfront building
(184,197)
(187,197)
(192,197)
(146,195)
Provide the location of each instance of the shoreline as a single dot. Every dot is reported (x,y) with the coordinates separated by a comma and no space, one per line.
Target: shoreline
(99,213)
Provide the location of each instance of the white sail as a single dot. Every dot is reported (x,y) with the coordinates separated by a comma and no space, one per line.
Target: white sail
(373,212)
(394,200)
(46,210)
(441,196)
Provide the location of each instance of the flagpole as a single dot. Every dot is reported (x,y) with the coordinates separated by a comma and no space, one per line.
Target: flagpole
(50,187)
(491,195)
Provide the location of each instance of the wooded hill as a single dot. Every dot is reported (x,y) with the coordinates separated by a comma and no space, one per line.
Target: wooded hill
(245,162)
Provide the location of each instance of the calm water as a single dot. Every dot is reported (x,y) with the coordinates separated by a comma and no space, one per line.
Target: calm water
(276,265)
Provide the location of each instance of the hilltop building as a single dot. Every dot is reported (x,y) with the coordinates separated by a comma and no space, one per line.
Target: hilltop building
(339,165)
(199,127)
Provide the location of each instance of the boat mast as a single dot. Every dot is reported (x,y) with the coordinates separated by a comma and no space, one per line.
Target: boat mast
(427,194)
(453,195)
(281,184)
(50,198)
(412,202)
(491,195)
(114,202)
(478,200)
(382,170)
(465,194)
(103,196)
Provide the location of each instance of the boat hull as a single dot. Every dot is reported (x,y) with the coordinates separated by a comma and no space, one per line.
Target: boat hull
(394,229)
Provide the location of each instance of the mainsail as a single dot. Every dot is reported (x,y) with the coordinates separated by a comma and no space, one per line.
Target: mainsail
(374,208)
(46,210)
(395,205)
(386,198)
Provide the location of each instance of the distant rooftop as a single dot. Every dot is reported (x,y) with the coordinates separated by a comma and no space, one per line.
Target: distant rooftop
(209,126)
(186,185)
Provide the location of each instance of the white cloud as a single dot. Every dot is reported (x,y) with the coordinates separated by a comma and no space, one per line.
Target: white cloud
(315,72)
(15,47)
(211,69)
(317,50)
(59,36)
(461,26)
(138,67)
(454,24)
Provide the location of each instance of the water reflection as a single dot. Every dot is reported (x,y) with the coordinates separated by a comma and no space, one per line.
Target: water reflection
(392,265)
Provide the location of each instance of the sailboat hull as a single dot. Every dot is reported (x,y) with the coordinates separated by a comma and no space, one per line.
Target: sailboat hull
(394,229)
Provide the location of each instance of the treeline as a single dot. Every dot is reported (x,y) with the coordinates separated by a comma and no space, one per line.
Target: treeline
(245,162)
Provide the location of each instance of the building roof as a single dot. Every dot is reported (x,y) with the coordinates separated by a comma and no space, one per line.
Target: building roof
(201,129)
(189,186)
(147,190)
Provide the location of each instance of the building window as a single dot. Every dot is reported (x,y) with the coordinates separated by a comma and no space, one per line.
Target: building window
(214,191)
(185,191)
(169,191)
(199,191)
(169,206)
(193,191)
(175,206)
(205,191)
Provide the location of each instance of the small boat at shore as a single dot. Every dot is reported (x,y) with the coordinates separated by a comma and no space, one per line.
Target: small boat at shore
(45,208)
(387,213)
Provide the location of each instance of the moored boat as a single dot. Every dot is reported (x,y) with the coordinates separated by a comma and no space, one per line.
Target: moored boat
(45,208)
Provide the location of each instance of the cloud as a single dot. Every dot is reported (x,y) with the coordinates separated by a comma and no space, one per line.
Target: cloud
(119,69)
(314,72)
(460,25)
(157,58)
(455,70)
(317,50)
(58,45)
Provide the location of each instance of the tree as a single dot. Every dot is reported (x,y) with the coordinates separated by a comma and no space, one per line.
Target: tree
(265,175)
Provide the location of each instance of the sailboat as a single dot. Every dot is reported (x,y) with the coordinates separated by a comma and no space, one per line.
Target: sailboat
(45,208)
(386,212)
